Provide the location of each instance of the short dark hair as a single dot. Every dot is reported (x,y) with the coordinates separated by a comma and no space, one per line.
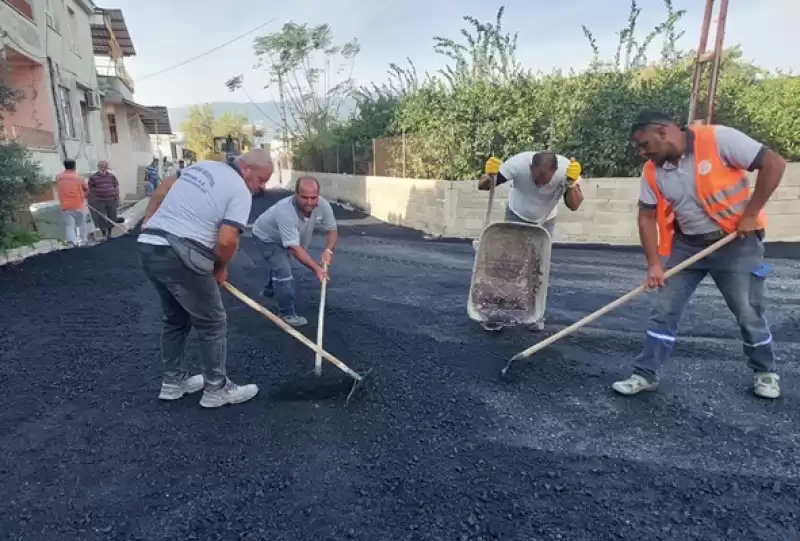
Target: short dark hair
(545,159)
(649,117)
(301,179)
(69,164)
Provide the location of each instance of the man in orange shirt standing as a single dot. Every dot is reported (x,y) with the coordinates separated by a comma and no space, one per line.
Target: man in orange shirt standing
(72,190)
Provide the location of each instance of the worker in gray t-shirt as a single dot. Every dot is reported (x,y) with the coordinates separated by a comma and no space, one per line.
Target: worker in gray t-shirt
(285,230)
(694,192)
(539,181)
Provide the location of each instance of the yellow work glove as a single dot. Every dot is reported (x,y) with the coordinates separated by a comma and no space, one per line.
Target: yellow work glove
(492,166)
(573,171)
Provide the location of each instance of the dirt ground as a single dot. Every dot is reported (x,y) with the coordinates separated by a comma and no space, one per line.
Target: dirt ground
(438,448)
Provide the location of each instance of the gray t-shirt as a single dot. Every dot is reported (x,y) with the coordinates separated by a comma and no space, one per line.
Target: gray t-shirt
(677,183)
(530,202)
(207,195)
(282,223)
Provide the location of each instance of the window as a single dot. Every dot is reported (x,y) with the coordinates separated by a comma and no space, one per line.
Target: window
(73,32)
(67,118)
(23,6)
(51,14)
(86,119)
(112,128)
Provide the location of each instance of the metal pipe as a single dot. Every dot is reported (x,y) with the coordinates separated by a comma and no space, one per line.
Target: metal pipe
(712,86)
(701,50)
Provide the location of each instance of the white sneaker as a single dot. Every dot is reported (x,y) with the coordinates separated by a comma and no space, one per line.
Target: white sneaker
(229,394)
(767,384)
(536,326)
(295,321)
(174,391)
(633,385)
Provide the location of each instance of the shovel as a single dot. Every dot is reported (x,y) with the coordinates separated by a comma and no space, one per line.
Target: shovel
(359,378)
(619,302)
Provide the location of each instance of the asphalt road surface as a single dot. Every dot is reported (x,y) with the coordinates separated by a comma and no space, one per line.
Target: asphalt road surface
(438,448)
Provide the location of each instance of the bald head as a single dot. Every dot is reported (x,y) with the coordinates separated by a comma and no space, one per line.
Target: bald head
(306,183)
(256,167)
(306,194)
(258,157)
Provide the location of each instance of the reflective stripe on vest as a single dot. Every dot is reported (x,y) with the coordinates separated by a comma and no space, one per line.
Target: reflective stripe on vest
(721,189)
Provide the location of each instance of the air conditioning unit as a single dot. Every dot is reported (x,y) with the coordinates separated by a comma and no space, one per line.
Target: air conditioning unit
(93,102)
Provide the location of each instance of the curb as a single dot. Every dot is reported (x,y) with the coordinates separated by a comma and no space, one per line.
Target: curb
(132,216)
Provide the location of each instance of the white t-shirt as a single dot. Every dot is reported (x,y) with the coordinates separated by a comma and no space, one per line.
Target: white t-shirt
(527,200)
(207,195)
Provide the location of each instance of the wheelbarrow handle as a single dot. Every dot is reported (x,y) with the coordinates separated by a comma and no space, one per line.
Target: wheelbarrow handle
(622,300)
(492,186)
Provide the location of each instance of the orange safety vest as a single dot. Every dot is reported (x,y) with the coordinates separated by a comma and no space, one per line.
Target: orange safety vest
(722,190)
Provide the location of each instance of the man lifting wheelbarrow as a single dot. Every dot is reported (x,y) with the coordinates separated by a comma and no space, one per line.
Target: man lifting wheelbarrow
(539,181)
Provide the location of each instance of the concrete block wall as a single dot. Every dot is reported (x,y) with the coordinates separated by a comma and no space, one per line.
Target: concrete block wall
(457,208)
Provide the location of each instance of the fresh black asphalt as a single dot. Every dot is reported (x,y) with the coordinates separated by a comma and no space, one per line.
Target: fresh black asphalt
(439,447)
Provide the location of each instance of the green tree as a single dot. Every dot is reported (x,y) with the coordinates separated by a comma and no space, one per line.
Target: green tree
(483,101)
(313,76)
(20,175)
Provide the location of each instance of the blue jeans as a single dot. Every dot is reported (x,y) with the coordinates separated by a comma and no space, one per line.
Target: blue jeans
(280,281)
(739,272)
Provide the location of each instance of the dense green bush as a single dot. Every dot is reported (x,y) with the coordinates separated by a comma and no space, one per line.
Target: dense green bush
(20,174)
(485,102)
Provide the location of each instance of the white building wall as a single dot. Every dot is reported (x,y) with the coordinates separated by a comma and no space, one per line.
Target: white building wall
(68,43)
(129,149)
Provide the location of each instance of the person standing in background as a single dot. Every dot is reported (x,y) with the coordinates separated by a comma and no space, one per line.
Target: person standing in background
(151,177)
(72,190)
(104,198)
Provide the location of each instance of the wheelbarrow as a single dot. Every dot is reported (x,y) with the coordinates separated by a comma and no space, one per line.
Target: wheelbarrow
(510,275)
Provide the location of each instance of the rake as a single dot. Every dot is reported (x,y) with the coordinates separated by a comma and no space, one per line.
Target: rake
(617,303)
(359,378)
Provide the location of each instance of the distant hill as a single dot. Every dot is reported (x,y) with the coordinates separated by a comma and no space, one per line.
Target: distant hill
(266,112)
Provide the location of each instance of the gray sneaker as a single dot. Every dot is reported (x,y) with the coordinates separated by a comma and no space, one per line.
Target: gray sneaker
(295,320)
(230,393)
(174,391)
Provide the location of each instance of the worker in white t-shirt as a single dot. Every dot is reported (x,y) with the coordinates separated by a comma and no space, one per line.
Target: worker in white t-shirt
(539,181)
(190,233)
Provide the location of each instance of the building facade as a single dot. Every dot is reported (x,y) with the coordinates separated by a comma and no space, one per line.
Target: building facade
(66,60)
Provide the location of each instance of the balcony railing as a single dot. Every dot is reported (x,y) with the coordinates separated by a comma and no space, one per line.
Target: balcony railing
(23,6)
(111,67)
(32,138)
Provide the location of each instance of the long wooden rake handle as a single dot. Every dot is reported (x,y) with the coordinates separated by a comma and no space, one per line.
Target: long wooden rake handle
(287,328)
(321,324)
(106,218)
(622,300)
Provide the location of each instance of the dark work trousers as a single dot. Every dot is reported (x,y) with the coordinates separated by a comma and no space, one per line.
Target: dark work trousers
(188,300)
(739,272)
(107,208)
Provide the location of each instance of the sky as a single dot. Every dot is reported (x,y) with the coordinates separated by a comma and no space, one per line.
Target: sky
(166,33)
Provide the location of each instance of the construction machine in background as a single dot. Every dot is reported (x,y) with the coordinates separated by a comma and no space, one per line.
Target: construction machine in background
(227,148)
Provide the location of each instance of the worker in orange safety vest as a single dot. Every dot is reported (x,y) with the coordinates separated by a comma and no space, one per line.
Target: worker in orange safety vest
(694,191)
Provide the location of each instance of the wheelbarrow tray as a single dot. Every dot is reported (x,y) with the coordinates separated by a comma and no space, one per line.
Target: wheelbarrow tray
(510,274)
